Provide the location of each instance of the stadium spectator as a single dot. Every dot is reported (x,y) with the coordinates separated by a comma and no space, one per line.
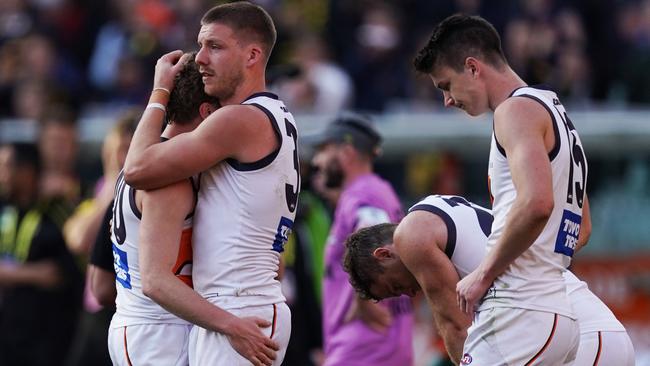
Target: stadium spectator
(39,280)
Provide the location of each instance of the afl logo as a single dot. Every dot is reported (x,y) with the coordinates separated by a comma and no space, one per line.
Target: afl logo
(466,360)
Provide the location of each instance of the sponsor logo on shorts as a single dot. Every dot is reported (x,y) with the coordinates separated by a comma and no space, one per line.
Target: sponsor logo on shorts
(466,360)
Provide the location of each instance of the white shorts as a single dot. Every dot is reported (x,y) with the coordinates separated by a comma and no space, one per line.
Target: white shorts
(211,348)
(149,344)
(605,348)
(517,337)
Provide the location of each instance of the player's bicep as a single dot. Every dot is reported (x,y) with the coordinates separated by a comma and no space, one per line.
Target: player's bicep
(215,139)
(520,128)
(437,277)
(163,213)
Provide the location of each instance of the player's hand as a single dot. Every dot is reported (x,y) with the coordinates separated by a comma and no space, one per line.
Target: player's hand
(247,339)
(374,315)
(471,289)
(167,67)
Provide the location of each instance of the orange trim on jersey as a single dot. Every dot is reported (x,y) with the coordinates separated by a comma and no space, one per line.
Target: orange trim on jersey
(184,258)
(126,350)
(548,341)
(275,317)
(600,348)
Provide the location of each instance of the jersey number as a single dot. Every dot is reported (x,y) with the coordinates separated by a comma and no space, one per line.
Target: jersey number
(119,229)
(291,195)
(575,188)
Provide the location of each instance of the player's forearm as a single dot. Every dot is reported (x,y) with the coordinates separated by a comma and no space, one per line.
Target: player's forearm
(454,339)
(179,299)
(137,169)
(102,285)
(525,222)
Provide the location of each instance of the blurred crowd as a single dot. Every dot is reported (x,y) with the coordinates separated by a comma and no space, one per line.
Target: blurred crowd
(95,56)
(64,62)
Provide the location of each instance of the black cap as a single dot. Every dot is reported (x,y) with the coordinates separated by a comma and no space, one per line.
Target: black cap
(354,129)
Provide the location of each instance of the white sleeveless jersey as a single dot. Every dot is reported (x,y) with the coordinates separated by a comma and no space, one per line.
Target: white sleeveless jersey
(593,315)
(244,214)
(132,306)
(468,226)
(534,280)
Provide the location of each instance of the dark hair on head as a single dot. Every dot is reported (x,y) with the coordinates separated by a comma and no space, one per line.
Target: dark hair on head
(456,38)
(358,260)
(26,154)
(247,20)
(188,94)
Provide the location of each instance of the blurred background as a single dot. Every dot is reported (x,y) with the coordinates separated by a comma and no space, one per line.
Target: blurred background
(70,69)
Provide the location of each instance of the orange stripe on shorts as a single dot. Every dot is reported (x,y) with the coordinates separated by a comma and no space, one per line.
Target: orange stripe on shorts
(600,348)
(126,349)
(275,317)
(548,341)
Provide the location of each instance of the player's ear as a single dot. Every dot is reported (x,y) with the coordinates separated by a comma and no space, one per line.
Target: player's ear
(205,109)
(382,253)
(255,54)
(472,66)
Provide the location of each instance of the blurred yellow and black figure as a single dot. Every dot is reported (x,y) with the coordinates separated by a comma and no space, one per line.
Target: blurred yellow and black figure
(40,285)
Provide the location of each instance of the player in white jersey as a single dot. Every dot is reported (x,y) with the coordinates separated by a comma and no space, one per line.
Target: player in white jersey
(442,240)
(151,232)
(247,151)
(537,177)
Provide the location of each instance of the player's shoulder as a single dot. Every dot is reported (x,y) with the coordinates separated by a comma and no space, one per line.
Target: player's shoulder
(519,108)
(236,116)
(180,191)
(420,232)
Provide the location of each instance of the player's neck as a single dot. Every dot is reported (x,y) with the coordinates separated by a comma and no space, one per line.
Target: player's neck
(255,83)
(503,84)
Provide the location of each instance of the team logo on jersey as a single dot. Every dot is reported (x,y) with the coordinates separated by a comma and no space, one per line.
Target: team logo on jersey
(568,234)
(282,235)
(466,360)
(121,265)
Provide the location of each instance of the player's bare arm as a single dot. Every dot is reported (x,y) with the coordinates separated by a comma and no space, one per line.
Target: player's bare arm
(242,132)
(164,211)
(102,285)
(422,252)
(523,128)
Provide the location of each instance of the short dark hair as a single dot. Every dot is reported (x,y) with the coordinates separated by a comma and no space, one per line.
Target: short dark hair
(456,38)
(249,20)
(188,94)
(358,260)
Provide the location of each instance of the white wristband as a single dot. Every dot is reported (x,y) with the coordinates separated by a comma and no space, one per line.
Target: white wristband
(157,106)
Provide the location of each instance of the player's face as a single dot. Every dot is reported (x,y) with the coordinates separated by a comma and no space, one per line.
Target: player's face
(221,60)
(329,173)
(460,89)
(395,281)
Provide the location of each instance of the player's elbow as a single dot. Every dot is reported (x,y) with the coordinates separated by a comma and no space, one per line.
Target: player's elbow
(152,285)
(133,175)
(540,209)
